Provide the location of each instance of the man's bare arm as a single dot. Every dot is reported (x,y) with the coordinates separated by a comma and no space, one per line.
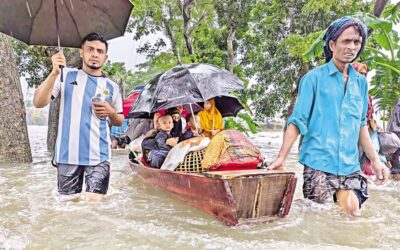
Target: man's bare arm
(290,136)
(42,95)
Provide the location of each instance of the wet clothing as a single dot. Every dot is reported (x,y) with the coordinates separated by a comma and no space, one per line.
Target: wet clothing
(83,138)
(319,186)
(70,178)
(160,151)
(329,116)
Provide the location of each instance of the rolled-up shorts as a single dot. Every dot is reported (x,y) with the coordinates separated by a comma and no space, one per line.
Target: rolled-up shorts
(70,178)
(319,186)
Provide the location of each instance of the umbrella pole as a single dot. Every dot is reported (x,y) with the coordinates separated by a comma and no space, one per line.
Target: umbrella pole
(195,122)
(58,38)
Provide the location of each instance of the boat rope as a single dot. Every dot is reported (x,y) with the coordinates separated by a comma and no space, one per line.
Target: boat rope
(257,197)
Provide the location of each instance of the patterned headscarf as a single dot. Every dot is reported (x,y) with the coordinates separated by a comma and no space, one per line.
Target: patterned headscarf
(337,27)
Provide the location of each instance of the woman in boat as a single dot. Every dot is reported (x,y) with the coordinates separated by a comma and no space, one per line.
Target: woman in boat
(179,122)
(210,119)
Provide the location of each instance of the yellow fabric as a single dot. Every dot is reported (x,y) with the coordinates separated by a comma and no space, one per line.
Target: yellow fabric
(210,119)
(213,151)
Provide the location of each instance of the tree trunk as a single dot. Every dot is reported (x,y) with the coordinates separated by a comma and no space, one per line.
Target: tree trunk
(305,68)
(186,19)
(14,139)
(379,7)
(229,41)
(168,33)
(52,129)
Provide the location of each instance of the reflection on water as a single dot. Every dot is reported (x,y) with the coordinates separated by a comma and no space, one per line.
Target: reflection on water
(136,215)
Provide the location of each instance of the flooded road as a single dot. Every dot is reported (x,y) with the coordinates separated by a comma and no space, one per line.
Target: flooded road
(138,216)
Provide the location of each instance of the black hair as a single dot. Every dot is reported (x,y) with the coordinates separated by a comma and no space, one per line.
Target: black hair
(189,116)
(172,111)
(94,37)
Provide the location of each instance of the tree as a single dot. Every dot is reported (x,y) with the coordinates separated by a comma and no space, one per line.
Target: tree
(152,16)
(234,15)
(386,81)
(117,72)
(14,140)
(272,45)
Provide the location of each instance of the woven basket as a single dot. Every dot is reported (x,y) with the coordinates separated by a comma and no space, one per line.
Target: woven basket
(192,162)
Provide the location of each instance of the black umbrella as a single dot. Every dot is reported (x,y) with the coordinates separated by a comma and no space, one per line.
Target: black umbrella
(63,23)
(186,84)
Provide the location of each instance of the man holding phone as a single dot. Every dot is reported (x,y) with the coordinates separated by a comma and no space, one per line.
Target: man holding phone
(83,141)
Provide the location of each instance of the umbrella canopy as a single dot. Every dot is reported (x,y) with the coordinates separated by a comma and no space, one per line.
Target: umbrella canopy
(35,21)
(190,83)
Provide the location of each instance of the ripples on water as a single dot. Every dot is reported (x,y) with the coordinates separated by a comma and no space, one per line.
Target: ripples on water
(137,216)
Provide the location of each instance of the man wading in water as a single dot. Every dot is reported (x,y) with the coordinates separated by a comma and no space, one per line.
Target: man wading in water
(330,114)
(83,140)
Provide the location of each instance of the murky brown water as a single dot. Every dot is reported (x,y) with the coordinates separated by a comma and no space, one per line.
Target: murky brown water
(137,216)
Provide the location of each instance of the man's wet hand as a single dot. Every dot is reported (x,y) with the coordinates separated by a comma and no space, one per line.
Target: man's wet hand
(278,164)
(381,172)
(58,60)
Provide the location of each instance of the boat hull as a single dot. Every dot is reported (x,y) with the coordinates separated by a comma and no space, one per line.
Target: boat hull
(244,197)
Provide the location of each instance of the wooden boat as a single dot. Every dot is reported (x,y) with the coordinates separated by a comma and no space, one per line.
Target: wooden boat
(235,197)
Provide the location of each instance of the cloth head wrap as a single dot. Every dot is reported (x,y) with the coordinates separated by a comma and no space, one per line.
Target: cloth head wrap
(337,27)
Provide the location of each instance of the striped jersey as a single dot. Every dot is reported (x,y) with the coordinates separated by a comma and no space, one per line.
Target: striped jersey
(83,138)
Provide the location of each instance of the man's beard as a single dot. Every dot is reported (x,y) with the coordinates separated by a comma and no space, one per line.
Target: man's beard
(94,67)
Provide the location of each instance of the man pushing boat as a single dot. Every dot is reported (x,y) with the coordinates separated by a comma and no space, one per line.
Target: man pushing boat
(330,114)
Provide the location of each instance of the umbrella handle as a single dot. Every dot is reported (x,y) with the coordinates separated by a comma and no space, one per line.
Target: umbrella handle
(62,73)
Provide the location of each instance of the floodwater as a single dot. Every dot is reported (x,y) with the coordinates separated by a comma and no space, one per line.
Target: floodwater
(138,216)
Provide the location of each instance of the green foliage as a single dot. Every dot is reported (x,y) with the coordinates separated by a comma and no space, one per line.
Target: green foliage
(392,12)
(245,123)
(209,25)
(117,72)
(34,62)
(385,84)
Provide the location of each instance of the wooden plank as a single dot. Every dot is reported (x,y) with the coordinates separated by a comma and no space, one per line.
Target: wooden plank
(271,195)
(244,191)
(242,173)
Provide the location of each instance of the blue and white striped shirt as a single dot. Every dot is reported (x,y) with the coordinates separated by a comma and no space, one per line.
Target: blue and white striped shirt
(83,138)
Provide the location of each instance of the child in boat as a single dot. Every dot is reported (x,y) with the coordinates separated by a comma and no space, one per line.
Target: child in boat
(193,130)
(163,142)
